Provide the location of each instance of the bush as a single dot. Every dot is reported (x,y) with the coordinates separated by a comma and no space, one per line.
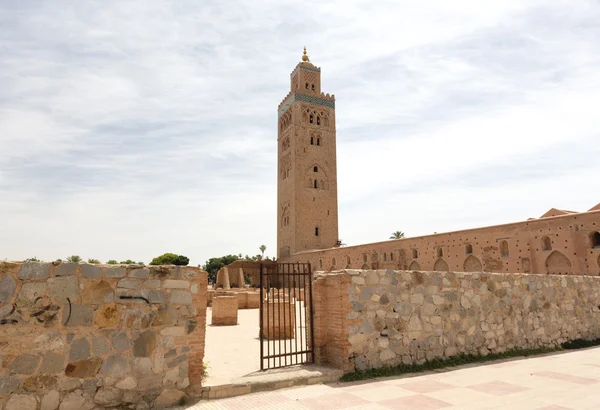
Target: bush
(170,259)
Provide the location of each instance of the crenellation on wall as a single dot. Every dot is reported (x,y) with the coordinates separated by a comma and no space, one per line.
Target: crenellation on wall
(77,335)
(393,317)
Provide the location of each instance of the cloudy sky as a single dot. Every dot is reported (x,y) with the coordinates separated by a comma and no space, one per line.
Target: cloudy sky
(130,128)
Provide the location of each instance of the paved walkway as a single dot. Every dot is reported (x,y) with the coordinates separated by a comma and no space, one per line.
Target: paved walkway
(554,382)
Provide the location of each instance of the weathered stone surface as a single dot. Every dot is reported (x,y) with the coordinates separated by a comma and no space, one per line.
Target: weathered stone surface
(9,384)
(90,271)
(145,344)
(24,364)
(48,341)
(108,397)
(53,363)
(176,284)
(35,271)
(30,291)
(181,297)
(149,382)
(80,349)
(156,296)
(68,384)
(81,315)
(50,400)
(97,292)
(107,316)
(120,341)
(166,315)
(141,273)
(177,361)
(114,271)
(129,283)
(139,319)
(76,401)
(115,366)
(100,346)
(152,283)
(7,289)
(173,331)
(128,383)
(84,368)
(66,269)
(41,382)
(21,402)
(168,398)
(142,366)
(92,383)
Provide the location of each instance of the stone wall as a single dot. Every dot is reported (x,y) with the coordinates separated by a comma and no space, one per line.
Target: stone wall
(79,336)
(388,317)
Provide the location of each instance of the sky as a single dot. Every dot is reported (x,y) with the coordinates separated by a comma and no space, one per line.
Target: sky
(131,128)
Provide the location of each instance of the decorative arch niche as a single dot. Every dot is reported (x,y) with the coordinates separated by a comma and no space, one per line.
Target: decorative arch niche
(414,266)
(558,264)
(472,264)
(441,266)
(366,267)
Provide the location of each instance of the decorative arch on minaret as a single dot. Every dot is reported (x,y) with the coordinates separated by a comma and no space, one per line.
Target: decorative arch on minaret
(316,177)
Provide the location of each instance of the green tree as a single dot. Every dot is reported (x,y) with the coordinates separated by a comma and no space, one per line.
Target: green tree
(262,248)
(74,258)
(93,261)
(112,262)
(397,235)
(34,259)
(213,265)
(170,259)
(128,262)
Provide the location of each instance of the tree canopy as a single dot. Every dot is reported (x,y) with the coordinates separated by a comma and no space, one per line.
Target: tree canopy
(397,235)
(170,259)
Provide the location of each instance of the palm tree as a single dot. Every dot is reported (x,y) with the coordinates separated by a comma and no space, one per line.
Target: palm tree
(397,235)
(74,258)
(262,249)
(93,261)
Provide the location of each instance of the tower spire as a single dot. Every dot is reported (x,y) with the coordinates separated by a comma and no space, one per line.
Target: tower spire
(304,56)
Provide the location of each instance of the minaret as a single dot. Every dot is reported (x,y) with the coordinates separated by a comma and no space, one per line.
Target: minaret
(307,212)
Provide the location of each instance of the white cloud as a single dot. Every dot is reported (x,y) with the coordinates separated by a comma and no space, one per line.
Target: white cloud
(128,129)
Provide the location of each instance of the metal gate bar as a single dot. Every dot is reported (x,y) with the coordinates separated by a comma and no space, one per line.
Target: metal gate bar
(286,315)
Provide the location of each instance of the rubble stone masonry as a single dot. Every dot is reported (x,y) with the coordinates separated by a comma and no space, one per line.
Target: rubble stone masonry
(81,336)
(372,318)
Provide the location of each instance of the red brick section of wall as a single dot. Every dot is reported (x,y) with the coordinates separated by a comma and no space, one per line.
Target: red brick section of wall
(197,338)
(331,305)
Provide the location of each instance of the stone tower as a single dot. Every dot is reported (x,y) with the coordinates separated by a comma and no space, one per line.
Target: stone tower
(307,212)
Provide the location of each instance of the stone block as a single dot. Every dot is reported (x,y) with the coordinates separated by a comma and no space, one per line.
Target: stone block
(128,283)
(108,397)
(80,349)
(50,400)
(35,271)
(24,364)
(9,384)
(100,346)
(7,289)
(114,271)
(29,292)
(145,344)
(149,382)
(225,311)
(173,331)
(166,315)
(168,398)
(69,384)
(77,401)
(66,269)
(142,366)
(21,402)
(242,300)
(63,288)
(176,284)
(40,383)
(115,366)
(128,383)
(253,300)
(141,273)
(139,319)
(84,368)
(120,341)
(48,341)
(181,297)
(97,292)
(278,318)
(90,271)
(79,315)
(53,363)
(107,316)
(152,283)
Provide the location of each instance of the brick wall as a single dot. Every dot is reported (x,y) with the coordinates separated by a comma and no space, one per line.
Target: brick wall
(76,334)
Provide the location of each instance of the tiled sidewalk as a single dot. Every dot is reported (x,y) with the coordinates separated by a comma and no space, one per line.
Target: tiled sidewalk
(554,382)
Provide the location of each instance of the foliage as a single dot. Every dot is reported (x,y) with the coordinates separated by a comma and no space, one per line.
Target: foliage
(170,259)
(131,262)
(213,265)
(112,262)
(93,261)
(262,249)
(74,259)
(397,235)
(34,259)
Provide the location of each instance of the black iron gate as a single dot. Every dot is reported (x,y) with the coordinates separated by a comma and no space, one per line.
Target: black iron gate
(286,315)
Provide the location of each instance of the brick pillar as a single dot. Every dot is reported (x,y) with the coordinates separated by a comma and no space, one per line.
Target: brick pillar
(226,284)
(197,338)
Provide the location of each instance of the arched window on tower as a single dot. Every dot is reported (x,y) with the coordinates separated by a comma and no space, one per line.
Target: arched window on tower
(318,120)
(317,231)
(312,140)
(316,169)
(504,249)
(311,118)
(318,141)
(306,85)
(595,239)
(415,254)
(312,87)
(440,252)
(315,183)
(468,249)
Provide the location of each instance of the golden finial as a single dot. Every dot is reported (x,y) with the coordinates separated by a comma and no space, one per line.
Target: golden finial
(304,56)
